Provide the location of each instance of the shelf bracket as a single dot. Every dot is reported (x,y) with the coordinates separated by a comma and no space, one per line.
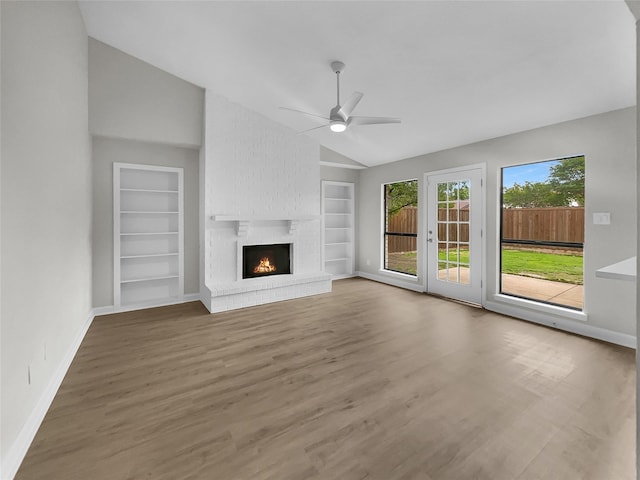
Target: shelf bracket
(242,228)
(293,226)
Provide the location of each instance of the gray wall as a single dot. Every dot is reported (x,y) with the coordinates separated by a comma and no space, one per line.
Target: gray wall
(45,207)
(608,143)
(140,114)
(105,152)
(129,98)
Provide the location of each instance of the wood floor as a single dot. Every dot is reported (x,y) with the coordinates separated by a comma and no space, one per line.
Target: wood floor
(368,382)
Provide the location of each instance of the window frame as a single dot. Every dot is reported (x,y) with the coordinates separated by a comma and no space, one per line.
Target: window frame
(386,233)
(514,297)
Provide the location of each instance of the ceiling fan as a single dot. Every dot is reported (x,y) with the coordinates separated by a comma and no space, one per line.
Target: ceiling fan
(340,116)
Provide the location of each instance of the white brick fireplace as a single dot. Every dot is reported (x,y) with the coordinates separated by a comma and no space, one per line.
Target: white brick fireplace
(262,186)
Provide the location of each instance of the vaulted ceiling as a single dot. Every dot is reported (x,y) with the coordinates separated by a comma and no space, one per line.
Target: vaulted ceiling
(454,71)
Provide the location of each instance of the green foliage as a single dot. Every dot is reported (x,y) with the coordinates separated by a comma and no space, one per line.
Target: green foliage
(453,191)
(567,180)
(400,195)
(563,188)
(531,195)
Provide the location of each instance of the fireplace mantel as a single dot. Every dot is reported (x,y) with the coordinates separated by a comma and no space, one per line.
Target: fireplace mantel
(243,222)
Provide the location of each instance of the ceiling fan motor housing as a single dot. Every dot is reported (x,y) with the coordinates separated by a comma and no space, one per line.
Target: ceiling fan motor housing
(337,66)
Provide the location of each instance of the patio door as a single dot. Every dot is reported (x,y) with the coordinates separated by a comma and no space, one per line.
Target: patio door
(454,234)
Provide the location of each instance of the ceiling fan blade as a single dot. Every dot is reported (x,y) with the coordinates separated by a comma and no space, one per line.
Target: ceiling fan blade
(372,120)
(350,104)
(305,113)
(314,128)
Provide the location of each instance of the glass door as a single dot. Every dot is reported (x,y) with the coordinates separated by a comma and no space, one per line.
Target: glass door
(454,235)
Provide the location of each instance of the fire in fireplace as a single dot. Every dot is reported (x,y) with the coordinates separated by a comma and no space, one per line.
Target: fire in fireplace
(263,260)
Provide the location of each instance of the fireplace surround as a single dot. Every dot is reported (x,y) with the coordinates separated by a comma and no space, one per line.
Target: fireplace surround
(296,235)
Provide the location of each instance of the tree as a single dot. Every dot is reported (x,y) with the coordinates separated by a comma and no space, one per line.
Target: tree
(400,195)
(567,180)
(563,188)
(530,195)
(453,191)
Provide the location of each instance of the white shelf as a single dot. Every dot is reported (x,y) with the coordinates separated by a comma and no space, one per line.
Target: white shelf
(152,255)
(337,228)
(138,234)
(149,279)
(624,270)
(145,190)
(148,219)
(145,212)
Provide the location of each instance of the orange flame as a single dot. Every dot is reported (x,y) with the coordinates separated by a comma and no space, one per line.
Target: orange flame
(264,266)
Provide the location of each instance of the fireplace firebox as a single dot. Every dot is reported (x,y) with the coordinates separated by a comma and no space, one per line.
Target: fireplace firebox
(264,260)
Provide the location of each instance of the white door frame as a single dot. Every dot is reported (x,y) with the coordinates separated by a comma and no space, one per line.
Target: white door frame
(483,222)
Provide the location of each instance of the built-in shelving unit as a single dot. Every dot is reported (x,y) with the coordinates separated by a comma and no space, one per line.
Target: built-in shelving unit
(148,227)
(338,228)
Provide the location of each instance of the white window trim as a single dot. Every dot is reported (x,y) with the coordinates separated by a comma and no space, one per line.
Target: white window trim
(538,306)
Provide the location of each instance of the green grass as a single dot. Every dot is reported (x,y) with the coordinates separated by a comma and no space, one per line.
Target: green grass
(464,257)
(548,266)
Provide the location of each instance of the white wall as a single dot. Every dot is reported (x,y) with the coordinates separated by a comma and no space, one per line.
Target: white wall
(608,143)
(105,152)
(45,209)
(332,158)
(129,98)
(140,114)
(256,167)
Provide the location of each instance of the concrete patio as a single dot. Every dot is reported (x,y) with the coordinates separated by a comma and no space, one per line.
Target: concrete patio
(566,294)
(546,290)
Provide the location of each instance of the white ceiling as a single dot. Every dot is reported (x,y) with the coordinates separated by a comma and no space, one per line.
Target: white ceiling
(455,72)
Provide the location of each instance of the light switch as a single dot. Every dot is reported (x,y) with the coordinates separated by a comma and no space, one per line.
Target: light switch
(602,218)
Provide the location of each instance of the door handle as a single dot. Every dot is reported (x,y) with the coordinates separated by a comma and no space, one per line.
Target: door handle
(430,240)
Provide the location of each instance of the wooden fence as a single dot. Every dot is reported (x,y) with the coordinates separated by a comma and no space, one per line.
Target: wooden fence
(544,224)
(559,224)
(405,221)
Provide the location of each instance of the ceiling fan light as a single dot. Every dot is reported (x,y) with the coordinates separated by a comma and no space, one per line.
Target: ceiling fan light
(338,126)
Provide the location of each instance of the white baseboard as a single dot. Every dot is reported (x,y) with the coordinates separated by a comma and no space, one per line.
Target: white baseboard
(566,325)
(396,282)
(20,447)
(190,297)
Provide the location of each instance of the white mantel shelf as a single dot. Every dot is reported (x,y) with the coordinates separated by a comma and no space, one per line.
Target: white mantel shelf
(624,270)
(244,221)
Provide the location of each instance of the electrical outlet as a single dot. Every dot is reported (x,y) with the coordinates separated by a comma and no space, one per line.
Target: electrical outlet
(368,262)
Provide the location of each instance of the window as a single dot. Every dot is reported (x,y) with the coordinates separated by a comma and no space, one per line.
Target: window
(401,226)
(542,231)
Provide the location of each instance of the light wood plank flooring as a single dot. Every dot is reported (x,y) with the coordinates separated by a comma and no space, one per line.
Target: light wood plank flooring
(368,382)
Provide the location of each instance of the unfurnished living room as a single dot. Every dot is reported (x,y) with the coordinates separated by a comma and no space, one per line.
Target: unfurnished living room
(287,240)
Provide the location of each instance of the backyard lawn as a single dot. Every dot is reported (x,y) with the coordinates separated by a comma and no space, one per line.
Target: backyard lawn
(548,266)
